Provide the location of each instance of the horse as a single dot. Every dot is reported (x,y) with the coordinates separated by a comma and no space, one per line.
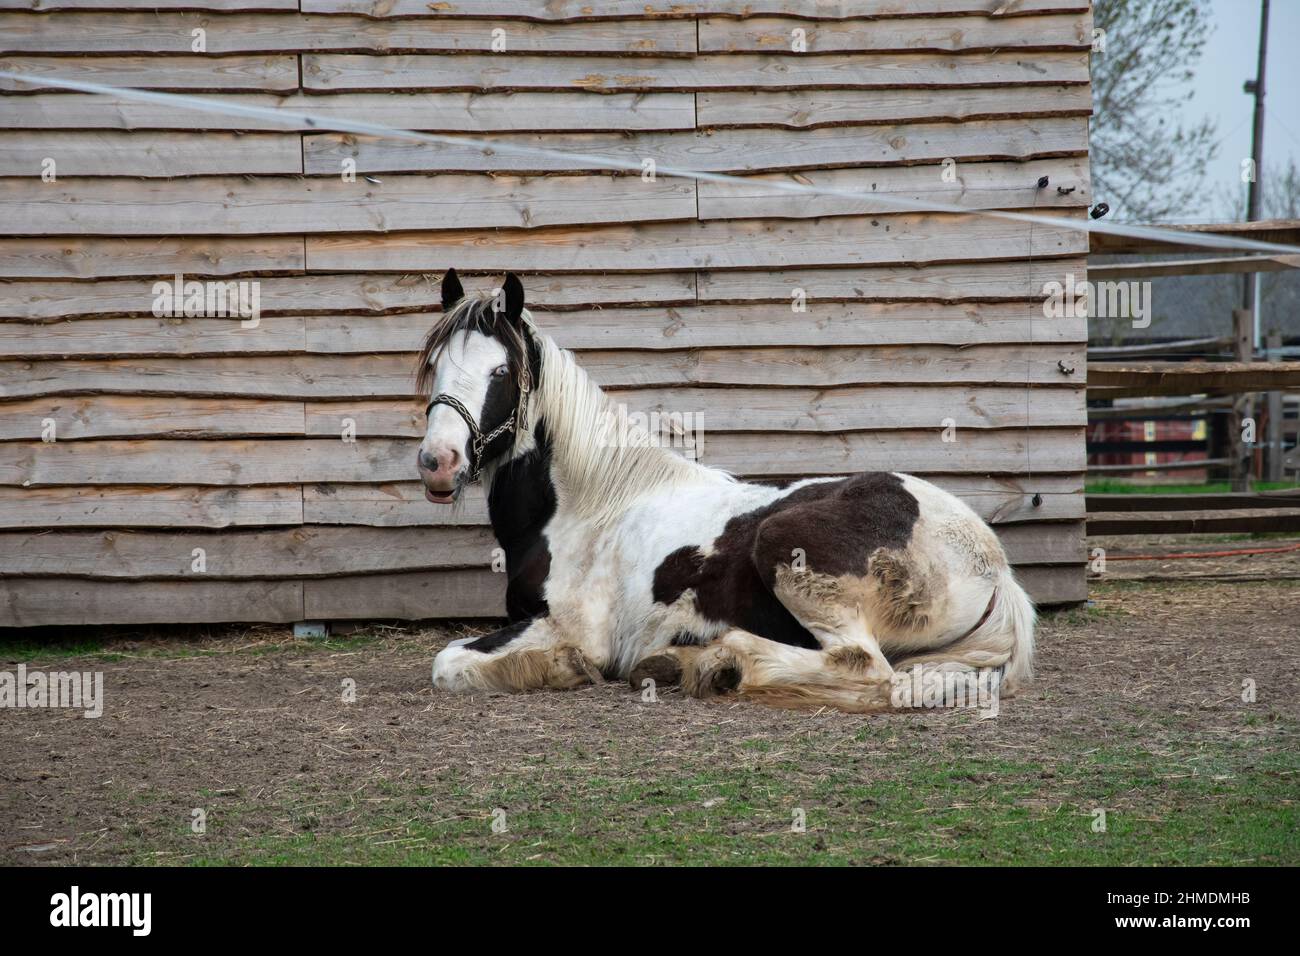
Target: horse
(625,560)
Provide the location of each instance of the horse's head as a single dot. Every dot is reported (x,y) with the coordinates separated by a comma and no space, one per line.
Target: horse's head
(477,367)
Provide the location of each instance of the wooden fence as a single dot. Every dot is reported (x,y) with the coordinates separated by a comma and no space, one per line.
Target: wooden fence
(175,437)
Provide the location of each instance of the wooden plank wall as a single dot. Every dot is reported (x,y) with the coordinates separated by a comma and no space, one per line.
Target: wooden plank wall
(177,434)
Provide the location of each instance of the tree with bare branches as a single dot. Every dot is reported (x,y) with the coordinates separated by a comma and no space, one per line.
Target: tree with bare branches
(1146,164)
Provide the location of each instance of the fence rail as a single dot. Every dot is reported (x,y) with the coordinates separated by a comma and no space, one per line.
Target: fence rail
(1222,392)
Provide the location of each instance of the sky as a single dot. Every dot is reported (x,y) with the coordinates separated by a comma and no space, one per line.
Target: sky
(1227,62)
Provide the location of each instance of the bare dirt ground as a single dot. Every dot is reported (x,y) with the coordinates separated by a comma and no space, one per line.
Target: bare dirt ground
(1217,557)
(1133,745)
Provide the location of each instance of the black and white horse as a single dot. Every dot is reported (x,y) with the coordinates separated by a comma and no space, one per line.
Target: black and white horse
(625,559)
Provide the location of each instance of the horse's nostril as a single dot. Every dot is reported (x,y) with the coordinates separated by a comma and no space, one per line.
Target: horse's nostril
(428,462)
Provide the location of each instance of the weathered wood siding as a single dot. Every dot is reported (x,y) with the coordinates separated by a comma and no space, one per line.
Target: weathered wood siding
(176,434)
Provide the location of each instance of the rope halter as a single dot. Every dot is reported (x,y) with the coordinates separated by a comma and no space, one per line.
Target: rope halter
(479,441)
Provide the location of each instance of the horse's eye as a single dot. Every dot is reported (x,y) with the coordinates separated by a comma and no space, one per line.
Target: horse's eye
(501,371)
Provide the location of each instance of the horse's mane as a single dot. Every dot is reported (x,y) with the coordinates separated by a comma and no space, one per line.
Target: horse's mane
(604,462)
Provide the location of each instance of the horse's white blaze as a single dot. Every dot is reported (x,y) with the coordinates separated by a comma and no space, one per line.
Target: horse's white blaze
(464,372)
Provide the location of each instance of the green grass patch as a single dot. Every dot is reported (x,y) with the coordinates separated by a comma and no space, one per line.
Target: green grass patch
(1108,487)
(25,651)
(112,648)
(1201,804)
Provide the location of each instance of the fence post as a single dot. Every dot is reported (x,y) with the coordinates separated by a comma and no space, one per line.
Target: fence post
(1244,346)
(1273,450)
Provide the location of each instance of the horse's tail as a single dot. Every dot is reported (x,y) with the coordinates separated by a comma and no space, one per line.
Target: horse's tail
(1015,616)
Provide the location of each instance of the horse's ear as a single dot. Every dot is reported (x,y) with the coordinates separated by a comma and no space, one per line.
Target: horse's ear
(514,293)
(452,292)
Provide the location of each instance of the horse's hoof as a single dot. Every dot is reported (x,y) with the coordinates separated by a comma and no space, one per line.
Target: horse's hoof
(724,680)
(580,667)
(664,669)
(716,672)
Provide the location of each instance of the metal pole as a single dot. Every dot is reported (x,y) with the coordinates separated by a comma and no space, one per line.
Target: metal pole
(1247,319)
(1256,86)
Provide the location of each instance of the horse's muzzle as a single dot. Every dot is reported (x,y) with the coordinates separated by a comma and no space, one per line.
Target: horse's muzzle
(441,497)
(442,476)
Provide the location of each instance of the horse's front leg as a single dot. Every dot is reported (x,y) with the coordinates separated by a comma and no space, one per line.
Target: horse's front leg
(522,656)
